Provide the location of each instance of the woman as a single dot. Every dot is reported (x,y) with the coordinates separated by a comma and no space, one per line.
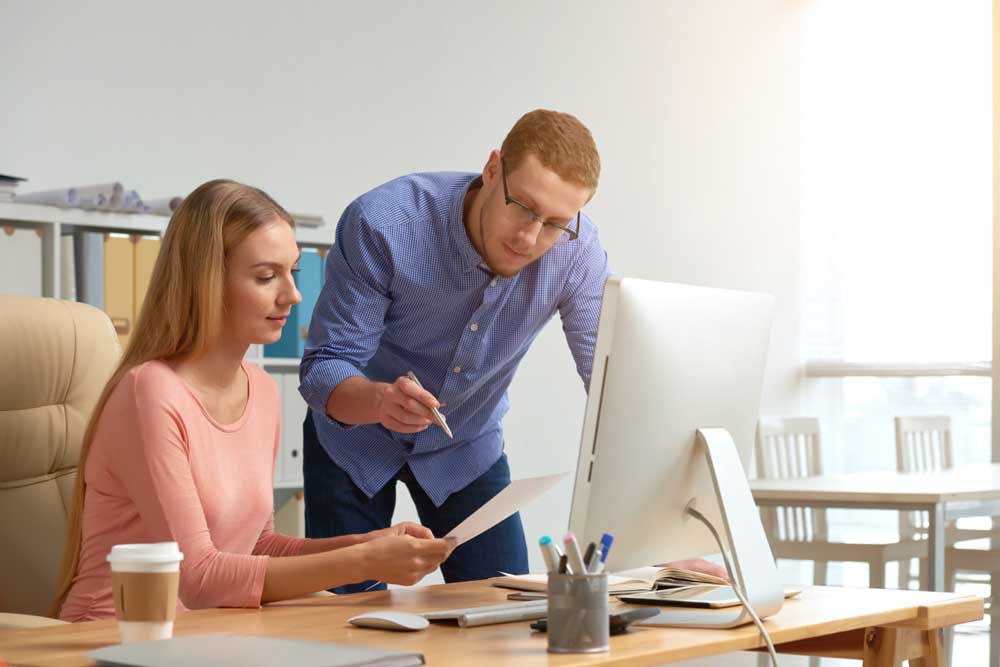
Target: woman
(182,442)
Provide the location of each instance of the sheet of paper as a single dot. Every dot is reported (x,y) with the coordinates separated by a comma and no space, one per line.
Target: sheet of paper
(499,507)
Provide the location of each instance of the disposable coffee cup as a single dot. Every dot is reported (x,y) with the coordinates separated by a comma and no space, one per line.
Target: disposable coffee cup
(144,579)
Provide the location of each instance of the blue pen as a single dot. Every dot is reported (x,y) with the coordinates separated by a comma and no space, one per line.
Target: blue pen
(606,540)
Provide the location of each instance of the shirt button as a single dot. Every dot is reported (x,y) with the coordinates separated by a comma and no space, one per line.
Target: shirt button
(493,283)
(457,369)
(474,327)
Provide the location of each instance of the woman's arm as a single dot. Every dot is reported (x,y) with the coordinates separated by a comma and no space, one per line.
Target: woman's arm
(394,559)
(333,543)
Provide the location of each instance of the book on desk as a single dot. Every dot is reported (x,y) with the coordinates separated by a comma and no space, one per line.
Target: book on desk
(626,581)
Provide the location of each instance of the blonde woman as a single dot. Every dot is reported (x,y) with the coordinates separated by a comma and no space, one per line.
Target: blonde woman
(181,445)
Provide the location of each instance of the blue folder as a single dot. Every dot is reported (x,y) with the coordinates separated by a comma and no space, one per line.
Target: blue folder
(309,281)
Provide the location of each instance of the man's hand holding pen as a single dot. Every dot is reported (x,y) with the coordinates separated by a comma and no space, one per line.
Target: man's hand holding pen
(406,407)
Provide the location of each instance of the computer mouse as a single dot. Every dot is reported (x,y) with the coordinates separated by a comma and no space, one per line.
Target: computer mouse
(388,619)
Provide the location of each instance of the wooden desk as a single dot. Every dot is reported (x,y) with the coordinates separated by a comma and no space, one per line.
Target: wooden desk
(879,626)
(962,491)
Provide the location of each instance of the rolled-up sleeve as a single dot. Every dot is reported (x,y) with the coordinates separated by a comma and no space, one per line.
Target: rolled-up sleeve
(580,305)
(349,317)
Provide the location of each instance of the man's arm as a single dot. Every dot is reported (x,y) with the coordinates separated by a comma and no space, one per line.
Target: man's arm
(401,406)
(349,316)
(580,306)
(345,331)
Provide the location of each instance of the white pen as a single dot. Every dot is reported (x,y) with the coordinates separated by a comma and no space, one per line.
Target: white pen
(550,553)
(438,417)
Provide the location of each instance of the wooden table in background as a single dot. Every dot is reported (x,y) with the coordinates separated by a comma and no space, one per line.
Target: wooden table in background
(962,491)
(879,626)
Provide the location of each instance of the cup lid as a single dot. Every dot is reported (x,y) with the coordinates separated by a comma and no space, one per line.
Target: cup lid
(159,552)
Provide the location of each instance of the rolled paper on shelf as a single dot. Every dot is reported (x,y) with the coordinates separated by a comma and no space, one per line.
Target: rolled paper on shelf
(104,189)
(63,198)
(163,205)
(93,203)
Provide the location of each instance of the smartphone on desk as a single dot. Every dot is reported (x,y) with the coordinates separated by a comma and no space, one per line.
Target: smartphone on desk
(704,596)
(524,595)
(617,623)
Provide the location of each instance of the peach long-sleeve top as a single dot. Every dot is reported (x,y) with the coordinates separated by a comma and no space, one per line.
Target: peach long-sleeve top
(161,469)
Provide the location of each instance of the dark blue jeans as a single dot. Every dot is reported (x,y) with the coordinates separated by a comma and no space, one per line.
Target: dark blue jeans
(335,506)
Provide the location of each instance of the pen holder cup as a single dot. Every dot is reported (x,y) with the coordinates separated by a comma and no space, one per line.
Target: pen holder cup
(578,613)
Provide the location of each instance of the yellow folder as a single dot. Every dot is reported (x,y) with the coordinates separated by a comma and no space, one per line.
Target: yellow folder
(119,284)
(146,249)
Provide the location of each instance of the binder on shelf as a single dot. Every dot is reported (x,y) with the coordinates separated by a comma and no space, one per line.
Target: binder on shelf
(119,285)
(67,268)
(88,257)
(20,261)
(145,250)
(293,413)
(309,281)
(279,474)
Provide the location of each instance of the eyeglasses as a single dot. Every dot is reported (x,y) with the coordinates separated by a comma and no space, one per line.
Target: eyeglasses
(551,231)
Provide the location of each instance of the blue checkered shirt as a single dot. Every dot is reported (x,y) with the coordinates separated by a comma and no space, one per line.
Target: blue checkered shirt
(406,290)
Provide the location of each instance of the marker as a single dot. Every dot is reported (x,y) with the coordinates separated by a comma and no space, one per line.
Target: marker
(549,553)
(573,555)
(606,540)
(562,564)
(588,555)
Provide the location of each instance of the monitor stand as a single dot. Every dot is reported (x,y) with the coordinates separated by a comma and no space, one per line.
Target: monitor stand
(751,554)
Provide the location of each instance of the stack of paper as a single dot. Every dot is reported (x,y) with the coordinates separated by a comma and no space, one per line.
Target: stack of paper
(8,184)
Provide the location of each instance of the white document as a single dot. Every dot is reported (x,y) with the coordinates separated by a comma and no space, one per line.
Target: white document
(499,507)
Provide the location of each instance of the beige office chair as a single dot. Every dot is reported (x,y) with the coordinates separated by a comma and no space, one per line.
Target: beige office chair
(789,448)
(55,358)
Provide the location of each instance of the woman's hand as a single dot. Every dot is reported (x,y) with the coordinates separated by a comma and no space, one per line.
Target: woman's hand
(404,528)
(699,565)
(404,559)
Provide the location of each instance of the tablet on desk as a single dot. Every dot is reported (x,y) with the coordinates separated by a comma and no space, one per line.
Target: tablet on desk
(703,596)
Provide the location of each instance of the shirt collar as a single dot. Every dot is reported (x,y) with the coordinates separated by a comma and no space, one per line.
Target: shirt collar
(467,253)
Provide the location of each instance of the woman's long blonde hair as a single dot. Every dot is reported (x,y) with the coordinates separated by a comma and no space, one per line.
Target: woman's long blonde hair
(182,313)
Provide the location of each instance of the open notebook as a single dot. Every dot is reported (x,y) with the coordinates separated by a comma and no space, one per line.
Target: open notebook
(639,579)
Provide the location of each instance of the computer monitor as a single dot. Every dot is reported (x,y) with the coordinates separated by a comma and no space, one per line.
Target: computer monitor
(671,359)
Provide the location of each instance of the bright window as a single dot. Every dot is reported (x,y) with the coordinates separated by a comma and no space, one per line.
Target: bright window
(896,216)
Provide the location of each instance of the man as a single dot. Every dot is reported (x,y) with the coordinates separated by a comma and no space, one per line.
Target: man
(450,276)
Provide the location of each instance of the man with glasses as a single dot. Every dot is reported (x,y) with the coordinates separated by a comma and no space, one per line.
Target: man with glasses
(450,276)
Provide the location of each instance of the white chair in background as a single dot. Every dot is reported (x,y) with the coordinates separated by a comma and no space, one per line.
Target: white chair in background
(789,448)
(979,556)
(923,444)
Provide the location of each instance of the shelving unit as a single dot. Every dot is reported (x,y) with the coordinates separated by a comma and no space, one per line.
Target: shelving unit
(54,222)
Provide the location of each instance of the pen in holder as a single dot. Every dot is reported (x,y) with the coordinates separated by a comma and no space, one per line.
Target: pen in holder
(578,613)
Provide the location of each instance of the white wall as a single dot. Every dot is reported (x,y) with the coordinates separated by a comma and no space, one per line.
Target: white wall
(694,105)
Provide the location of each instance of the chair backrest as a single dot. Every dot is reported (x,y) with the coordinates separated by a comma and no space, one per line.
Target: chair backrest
(789,447)
(923,444)
(55,358)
